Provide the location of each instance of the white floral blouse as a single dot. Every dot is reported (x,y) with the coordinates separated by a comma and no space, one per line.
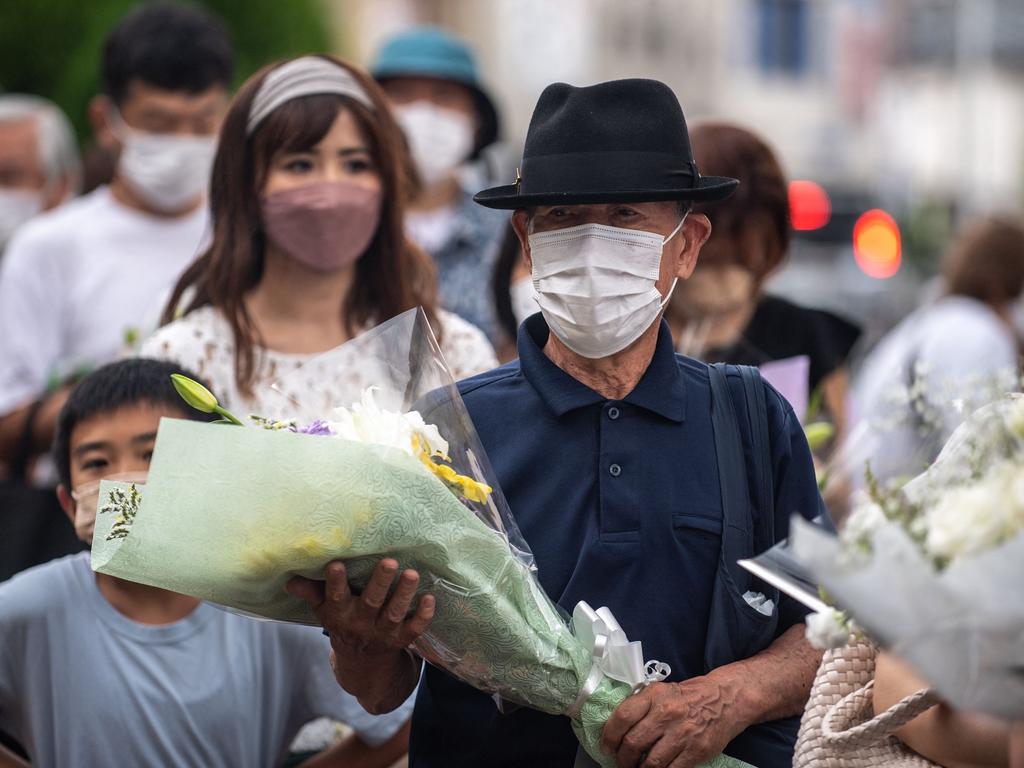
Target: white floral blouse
(202,342)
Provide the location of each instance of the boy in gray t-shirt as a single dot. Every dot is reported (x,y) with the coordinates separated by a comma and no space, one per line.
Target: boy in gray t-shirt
(96,671)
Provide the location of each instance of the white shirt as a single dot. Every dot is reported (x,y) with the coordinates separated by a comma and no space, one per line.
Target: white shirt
(75,281)
(203,343)
(925,377)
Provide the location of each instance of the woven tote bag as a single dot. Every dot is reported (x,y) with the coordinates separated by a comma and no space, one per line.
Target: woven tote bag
(839,728)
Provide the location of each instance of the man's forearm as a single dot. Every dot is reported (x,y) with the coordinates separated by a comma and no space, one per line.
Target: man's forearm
(13,424)
(10,760)
(12,428)
(773,684)
(380,684)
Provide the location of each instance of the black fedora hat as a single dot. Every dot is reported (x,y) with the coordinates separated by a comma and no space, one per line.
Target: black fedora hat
(622,141)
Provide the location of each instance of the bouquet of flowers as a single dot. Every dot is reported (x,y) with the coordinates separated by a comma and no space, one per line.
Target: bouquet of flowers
(229,514)
(932,570)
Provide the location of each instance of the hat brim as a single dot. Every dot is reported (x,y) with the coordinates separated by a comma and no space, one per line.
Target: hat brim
(508,198)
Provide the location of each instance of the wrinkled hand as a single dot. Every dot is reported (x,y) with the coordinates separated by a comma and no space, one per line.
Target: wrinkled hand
(369,624)
(672,724)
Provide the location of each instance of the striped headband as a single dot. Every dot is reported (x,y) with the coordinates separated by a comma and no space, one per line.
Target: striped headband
(307,76)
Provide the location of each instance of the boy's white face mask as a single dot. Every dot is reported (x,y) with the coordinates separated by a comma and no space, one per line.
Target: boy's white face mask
(596,284)
(87,498)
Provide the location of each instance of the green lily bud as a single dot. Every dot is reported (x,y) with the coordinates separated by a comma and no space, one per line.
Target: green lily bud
(818,433)
(199,397)
(194,393)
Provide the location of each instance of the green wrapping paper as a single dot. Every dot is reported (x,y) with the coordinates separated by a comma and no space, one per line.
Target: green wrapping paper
(230,514)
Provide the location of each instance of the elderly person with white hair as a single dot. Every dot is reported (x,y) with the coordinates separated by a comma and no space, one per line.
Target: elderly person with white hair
(39,163)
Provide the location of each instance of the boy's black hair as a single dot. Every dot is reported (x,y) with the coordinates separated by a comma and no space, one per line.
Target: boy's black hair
(115,385)
(171,46)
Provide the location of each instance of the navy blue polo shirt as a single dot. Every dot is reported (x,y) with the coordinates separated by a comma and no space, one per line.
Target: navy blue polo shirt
(620,503)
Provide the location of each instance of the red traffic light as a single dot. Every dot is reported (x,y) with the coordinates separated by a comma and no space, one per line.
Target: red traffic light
(876,244)
(809,205)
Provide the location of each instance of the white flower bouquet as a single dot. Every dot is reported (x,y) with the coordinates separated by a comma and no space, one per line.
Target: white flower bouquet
(933,571)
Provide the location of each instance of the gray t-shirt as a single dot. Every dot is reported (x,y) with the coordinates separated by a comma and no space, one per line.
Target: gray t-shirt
(83,685)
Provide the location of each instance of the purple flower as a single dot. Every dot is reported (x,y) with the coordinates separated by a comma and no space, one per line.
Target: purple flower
(318,427)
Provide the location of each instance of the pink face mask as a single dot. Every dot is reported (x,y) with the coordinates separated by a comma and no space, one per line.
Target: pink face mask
(326,225)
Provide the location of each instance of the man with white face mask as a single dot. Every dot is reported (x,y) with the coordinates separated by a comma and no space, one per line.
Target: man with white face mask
(637,476)
(432,82)
(39,164)
(78,282)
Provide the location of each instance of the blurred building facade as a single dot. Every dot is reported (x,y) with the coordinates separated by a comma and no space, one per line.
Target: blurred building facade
(912,99)
(915,106)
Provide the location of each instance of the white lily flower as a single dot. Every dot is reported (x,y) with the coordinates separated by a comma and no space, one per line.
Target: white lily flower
(974,518)
(863,521)
(366,422)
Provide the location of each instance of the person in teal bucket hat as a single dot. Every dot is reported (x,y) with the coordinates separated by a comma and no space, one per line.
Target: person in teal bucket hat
(433,83)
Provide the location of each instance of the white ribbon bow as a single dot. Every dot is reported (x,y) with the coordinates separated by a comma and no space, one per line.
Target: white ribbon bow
(612,654)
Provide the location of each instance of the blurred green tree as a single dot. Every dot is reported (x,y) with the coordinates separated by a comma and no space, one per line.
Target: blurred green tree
(52,47)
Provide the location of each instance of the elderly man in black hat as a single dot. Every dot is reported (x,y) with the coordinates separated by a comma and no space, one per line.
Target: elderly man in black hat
(638,477)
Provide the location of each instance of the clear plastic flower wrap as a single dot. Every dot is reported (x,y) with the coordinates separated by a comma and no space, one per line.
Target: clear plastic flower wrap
(229,514)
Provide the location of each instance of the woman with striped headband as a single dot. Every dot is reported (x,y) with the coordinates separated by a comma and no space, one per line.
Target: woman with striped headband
(308,191)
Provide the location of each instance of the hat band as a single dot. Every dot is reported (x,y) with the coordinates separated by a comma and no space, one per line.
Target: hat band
(606,172)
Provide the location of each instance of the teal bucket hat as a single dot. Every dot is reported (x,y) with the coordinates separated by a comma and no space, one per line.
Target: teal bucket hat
(434,52)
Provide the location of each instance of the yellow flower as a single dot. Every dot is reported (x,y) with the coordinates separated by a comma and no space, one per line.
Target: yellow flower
(310,546)
(473,490)
(465,486)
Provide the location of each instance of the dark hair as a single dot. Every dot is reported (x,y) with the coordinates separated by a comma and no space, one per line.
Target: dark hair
(113,386)
(509,253)
(756,218)
(167,45)
(392,275)
(986,261)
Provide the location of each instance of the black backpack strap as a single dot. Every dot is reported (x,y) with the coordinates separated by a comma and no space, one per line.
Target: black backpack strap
(764,486)
(736,630)
(732,465)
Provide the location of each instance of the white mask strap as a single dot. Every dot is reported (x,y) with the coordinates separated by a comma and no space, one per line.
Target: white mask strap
(676,230)
(668,296)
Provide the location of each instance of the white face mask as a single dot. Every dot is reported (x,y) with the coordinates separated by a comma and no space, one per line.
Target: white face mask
(439,139)
(167,171)
(596,285)
(524,299)
(16,207)
(87,497)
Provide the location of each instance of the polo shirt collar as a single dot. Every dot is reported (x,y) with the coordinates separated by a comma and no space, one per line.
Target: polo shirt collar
(661,389)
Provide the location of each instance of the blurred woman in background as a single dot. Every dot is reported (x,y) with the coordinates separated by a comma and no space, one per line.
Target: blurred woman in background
(946,359)
(722,313)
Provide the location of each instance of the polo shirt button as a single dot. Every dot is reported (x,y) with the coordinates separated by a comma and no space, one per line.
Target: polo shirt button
(615,470)
(613,413)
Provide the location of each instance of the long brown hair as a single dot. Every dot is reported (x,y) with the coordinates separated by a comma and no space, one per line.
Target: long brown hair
(393,275)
